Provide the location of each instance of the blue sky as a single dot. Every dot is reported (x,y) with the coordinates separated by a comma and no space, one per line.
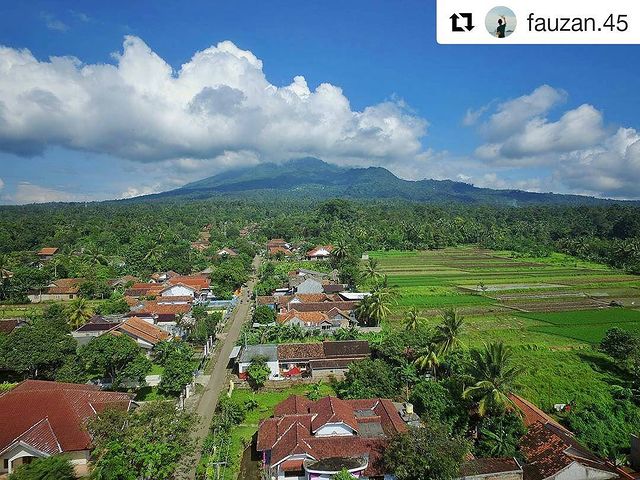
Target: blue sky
(561,118)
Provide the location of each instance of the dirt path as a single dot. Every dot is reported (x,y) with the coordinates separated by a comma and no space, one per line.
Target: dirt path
(218,380)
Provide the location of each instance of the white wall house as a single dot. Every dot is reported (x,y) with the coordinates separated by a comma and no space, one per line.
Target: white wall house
(178,290)
(310,285)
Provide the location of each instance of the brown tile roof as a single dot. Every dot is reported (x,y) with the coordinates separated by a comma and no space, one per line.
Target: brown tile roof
(143,289)
(345,306)
(46,251)
(51,416)
(300,351)
(309,318)
(276,250)
(138,328)
(156,307)
(9,325)
(65,286)
(548,450)
(347,348)
(484,466)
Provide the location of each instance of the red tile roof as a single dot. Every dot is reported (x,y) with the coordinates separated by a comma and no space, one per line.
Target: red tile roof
(300,351)
(51,416)
(46,251)
(532,414)
(7,326)
(309,318)
(65,286)
(195,281)
(484,466)
(276,250)
(291,430)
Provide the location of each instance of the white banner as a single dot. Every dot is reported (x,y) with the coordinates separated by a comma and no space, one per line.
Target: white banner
(538,22)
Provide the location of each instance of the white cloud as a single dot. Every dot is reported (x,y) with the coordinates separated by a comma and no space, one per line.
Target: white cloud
(1,184)
(26,192)
(53,23)
(217,104)
(581,154)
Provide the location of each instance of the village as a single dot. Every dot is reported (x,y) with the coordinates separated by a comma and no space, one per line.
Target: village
(303,346)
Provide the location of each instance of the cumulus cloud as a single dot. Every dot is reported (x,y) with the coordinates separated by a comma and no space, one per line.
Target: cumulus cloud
(218,103)
(1,184)
(583,154)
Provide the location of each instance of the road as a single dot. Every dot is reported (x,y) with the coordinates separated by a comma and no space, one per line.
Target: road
(218,380)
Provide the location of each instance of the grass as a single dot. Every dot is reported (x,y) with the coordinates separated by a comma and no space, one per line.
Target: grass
(586,317)
(156,369)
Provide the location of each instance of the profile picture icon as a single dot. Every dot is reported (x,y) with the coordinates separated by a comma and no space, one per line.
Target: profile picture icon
(500,22)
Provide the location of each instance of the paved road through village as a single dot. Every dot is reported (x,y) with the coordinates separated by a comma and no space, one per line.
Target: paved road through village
(218,380)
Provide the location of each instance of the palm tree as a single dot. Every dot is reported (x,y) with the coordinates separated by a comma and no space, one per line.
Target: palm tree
(380,302)
(340,250)
(428,360)
(408,375)
(500,444)
(79,311)
(371,271)
(448,331)
(412,320)
(494,374)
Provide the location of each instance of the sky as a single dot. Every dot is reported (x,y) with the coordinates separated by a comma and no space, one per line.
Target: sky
(103,100)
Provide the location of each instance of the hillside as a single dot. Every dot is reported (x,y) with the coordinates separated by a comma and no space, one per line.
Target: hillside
(314,178)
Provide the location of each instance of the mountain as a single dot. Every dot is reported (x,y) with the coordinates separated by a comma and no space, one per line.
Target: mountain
(313,178)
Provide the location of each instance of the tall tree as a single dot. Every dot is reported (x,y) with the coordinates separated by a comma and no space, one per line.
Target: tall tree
(79,311)
(447,335)
(493,370)
(412,320)
(428,359)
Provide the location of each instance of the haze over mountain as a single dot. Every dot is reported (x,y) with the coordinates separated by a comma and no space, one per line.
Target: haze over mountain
(313,178)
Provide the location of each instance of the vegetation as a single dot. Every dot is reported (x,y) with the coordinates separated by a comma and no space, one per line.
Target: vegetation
(147,443)
(428,453)
(55,467)
(258,372)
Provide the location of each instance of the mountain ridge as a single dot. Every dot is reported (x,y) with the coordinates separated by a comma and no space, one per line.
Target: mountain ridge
(310,177)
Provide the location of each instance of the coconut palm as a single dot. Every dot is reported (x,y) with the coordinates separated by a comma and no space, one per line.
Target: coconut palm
(78,312)
(380,302)
(412,320)
(370,271)
(340,250)
(428,360)
(494,373)
(448,331)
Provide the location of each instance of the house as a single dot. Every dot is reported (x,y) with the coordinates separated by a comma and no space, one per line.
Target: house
(5,274)
(167,313)
(47,253)
(145,334)
(310,285)
(161,277)
(321,359)
(58,290)
(552,452)
(317,439)
(268,352)
(178,290)
(200,284)
(321,252)
(296,277)
(316,320)
(227,252)
(95,326)
(138,290)
(40,419)
(491,469)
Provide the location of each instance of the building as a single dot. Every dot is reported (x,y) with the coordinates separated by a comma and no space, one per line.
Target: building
(321,252)
(227,252)
(95,326)
(144,333)
(40,419)
(8,325)
(315,440)
(277,246)
(47,253)
(138,290)
(326,322)
(315,360)
(58,290)
(491,469)
(552,452)
(250,352)
(320,360)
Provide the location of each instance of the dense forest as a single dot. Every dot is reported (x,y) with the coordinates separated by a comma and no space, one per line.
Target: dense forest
(116,238)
